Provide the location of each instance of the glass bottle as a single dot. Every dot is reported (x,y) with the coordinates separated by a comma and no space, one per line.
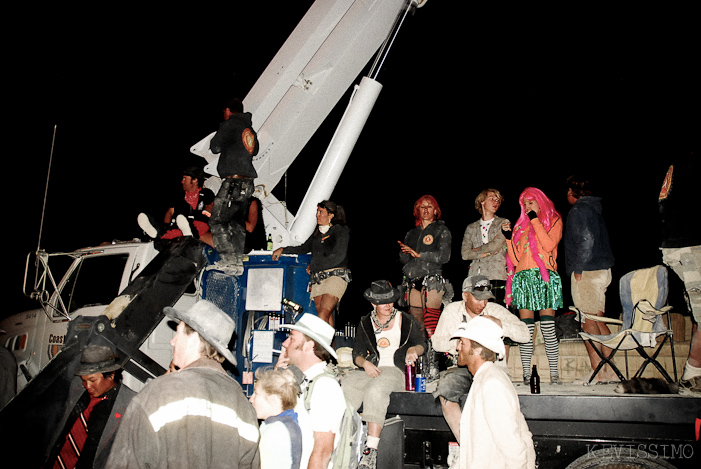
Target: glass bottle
(535,381)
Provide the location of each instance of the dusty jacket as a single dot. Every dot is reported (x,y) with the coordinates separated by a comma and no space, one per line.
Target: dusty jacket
(195,417)
(366,345)
(587,245)
(433,243)
(494,265)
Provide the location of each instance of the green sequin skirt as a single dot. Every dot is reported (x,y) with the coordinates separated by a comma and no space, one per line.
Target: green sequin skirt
(529,291)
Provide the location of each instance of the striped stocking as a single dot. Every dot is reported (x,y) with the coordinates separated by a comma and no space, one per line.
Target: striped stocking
(552,347)
(527,348)
(431,316)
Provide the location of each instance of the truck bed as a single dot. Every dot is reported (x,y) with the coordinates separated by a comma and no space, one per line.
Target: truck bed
(568,421)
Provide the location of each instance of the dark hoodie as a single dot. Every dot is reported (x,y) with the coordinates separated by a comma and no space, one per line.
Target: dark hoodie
(587,245)
(237,144)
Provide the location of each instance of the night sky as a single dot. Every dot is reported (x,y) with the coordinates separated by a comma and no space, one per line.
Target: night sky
(473,97)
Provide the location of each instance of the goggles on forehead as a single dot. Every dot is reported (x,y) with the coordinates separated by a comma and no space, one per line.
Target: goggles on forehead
(485,287)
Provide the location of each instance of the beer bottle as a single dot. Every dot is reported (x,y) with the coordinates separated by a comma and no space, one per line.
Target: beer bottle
(535,381)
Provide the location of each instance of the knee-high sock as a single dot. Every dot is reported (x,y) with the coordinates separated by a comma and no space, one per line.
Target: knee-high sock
(431,316)
(552,347)
(526,349)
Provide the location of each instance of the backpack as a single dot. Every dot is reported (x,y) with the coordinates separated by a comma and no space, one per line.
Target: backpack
(352,433)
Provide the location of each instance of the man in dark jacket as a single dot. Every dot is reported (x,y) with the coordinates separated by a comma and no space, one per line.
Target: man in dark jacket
(96,403)
(236,143)
(588,262)
(198,415)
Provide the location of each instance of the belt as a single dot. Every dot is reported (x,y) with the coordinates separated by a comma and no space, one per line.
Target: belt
(342,272)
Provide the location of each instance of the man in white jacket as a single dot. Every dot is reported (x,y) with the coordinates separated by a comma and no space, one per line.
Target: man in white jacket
(493,431)
(455,383)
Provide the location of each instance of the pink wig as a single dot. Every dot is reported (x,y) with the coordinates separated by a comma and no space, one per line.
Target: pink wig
(417,204)
(547,216)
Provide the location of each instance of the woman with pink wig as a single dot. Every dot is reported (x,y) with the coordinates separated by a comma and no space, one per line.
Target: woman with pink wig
(533,283)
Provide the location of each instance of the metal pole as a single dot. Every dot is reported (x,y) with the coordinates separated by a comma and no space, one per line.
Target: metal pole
(46,188)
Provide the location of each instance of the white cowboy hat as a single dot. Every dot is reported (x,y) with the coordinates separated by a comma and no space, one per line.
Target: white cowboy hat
(485,331)
(316,329)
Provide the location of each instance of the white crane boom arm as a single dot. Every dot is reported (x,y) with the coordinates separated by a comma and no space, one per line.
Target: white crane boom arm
(318,63)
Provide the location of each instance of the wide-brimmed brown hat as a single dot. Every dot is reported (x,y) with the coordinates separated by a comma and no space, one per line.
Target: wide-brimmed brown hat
(97,359)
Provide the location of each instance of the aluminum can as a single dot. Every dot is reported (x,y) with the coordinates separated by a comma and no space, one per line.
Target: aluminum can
(409,378)
(420,384)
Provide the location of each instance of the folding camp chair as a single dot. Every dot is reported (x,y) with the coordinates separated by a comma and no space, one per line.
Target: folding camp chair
(643,296)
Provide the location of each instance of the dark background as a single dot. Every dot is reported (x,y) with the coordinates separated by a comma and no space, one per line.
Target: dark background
(473,97)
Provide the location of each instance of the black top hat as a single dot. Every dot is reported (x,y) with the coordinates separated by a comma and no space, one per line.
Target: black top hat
(381,292)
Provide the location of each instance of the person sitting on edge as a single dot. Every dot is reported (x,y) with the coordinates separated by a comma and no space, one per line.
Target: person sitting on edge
(454,383)
(187,217)
(386,341)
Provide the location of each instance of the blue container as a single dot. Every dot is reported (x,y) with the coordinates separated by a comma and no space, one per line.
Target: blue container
(420,384)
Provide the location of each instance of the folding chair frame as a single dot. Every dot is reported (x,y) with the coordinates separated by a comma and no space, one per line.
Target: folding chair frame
(647,359)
